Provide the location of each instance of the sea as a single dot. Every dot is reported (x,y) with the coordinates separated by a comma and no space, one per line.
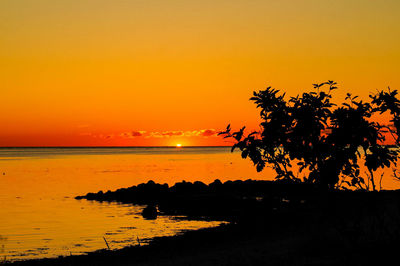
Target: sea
(40,217)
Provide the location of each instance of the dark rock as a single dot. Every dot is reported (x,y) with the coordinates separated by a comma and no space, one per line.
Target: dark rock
(150,212)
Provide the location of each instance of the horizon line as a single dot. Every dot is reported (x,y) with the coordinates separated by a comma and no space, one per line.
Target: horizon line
(165,146)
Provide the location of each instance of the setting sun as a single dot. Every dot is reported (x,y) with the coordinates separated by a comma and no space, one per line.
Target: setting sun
(278,111)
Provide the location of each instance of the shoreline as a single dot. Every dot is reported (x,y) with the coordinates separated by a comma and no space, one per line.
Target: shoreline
(234,244)
(335,228)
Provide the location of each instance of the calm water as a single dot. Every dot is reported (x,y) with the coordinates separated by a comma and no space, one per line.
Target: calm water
(39,216)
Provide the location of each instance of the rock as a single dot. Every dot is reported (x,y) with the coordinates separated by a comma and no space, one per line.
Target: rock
(150,212)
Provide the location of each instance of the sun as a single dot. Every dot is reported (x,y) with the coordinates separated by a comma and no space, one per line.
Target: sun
(178,145)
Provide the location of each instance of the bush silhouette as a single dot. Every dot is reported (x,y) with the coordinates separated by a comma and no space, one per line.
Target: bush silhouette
(325,142)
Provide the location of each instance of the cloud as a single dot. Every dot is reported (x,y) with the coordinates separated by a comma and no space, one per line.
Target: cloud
(132,134)
(172,133)
(160,134)
(136,134)
(109,136)
(163,134)
(208,132)
(193,133)
(154,135)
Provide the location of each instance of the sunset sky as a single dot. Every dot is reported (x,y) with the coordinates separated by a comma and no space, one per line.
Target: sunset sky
(162,72)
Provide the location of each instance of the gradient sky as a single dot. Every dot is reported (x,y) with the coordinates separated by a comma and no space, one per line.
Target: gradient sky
(113,72)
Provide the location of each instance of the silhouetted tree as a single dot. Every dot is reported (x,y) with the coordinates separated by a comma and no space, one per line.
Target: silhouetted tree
(324,140)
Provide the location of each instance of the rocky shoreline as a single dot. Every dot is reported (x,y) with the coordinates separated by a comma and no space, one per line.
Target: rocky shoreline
(269,223)
(230,201)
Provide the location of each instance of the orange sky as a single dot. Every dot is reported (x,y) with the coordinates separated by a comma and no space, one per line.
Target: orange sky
(113,72)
